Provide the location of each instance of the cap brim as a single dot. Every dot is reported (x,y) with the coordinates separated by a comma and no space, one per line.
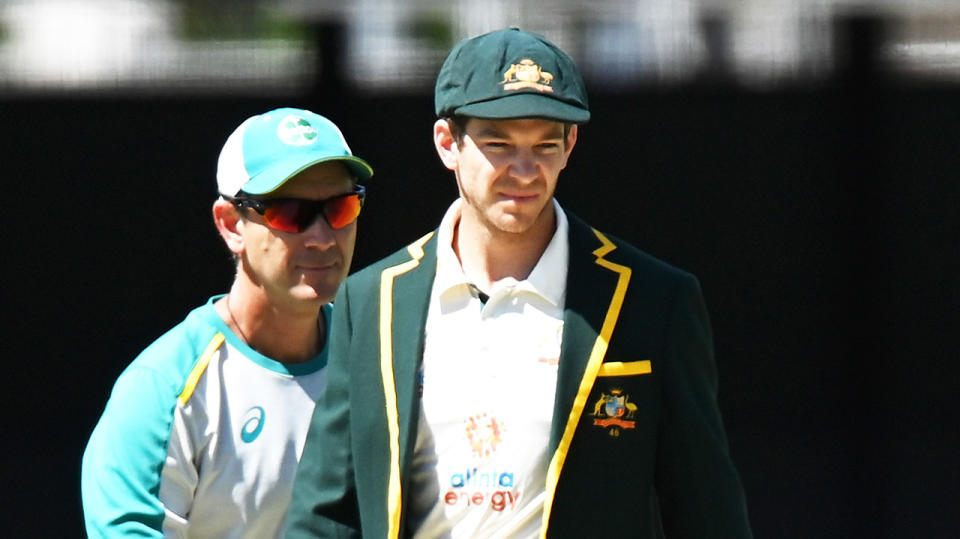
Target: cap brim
(526,105)
(278,174)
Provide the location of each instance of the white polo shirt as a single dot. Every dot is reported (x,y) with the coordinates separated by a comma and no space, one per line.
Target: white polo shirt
(488,382)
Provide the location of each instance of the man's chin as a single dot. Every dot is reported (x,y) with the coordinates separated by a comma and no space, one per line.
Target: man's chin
(314,293)
(514,224)
(515,220)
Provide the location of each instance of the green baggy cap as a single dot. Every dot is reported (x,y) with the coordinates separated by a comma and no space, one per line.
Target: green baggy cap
(510,74)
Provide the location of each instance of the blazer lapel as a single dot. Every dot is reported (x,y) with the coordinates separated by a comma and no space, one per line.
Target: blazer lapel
(411,300)
(595,291)
(591,301)
(404,300)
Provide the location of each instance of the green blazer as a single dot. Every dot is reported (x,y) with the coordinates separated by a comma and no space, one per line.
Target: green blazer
(639,447)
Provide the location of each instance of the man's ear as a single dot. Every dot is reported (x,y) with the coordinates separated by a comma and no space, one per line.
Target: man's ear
(229,225)
(570,143)
(445,143)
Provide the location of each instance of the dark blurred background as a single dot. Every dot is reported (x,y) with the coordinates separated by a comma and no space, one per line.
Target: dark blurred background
(799,160)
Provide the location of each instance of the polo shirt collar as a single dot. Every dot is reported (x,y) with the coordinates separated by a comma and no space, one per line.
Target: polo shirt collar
(547,280)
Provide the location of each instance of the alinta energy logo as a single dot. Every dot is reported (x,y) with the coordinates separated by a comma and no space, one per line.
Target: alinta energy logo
(252,424)
(475,486)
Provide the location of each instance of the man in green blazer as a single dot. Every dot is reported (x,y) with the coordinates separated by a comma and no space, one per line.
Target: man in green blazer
(517,373)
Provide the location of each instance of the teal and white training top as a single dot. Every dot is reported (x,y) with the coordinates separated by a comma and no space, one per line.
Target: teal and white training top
(201,436)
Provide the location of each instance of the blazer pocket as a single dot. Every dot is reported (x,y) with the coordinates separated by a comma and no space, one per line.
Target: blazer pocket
(625,368)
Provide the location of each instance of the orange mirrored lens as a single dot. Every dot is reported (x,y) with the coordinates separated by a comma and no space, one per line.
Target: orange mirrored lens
(340,212)
(287,215)
(296,215)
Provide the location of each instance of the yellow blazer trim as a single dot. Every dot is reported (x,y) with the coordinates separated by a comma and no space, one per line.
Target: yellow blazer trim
(199,367)
(630,368)
(590,374)
(389,385)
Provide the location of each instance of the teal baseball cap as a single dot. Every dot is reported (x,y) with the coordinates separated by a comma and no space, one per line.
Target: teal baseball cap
(509,74)
(268,149)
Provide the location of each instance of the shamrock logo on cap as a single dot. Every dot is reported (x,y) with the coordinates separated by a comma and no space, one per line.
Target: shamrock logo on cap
(296,131)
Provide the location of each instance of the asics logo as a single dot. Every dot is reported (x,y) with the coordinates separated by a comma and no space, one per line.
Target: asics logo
(252,424)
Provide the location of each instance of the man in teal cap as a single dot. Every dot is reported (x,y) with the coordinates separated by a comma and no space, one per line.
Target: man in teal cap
(516,372)
(202,432)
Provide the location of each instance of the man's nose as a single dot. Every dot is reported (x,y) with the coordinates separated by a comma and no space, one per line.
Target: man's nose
(319,233)
(523,166)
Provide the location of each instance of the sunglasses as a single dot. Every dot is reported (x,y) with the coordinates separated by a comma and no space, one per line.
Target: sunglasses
(297,214)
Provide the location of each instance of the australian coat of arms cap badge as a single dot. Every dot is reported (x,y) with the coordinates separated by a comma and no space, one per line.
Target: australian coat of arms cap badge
(527,74)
